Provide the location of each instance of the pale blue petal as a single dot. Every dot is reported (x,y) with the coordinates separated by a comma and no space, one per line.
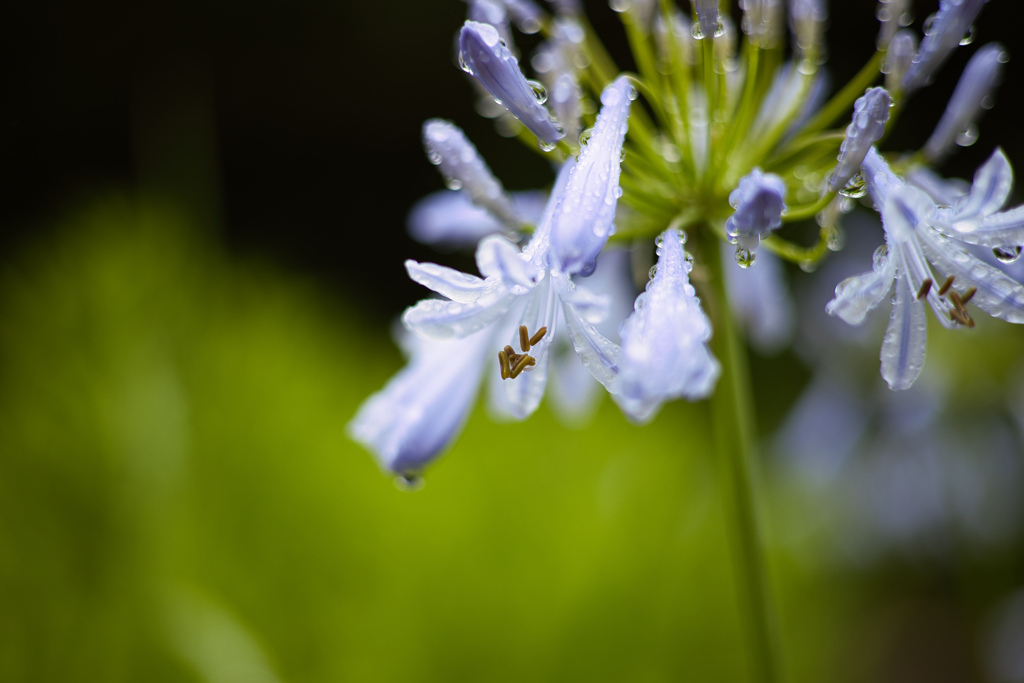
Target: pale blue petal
(707,17)
(449,219)
(973,91)
(903,346)
(448,282)
(857,295)
(998,295)
(437,319)
(585,214)
(759,200)
(498,258)
(422,409)
(524,393)
(598,354)
(951,24)
(664,352)
(898,58)
(990,189)
(870,114)
(463,167)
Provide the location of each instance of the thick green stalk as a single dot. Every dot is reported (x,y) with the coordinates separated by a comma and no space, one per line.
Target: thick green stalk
(734,427)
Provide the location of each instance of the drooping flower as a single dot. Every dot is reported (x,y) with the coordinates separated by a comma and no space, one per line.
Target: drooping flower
(925,254)
(664,341)
(759,201)
(947,30)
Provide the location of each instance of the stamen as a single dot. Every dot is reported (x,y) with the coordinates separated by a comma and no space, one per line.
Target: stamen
(510,352)
(954,296)
(537,337)
(959,317)
(925,287)
(967,295)
(520,365)
(946,285)
(524,338)
(503,362)
(530,364)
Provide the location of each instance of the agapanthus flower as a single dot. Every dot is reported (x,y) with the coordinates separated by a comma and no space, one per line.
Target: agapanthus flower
(926,256)
(734,142)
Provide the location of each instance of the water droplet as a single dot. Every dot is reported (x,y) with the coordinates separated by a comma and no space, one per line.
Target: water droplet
(855,188)
(619,5)
(744,257)
(462,63)
(968,136)
(835,239)
(905,19)
(682,236)
(929,24)
(968,37)
(453,183)
(585,137)
(659,240)
(435,157)
(879,256)
(688,259)
(540,93)
(617,192)
(696,32)
(808,266)
(652,272)
(1007,254)
(546,146)
(622,155)
(409,481)
(631,93)
(719,29)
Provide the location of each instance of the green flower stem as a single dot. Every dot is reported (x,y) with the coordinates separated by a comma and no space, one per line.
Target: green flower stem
(802,213)
(734,429)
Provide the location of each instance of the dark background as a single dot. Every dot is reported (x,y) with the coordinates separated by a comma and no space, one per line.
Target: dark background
(306,117)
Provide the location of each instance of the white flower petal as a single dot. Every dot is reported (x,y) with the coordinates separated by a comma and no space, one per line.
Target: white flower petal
(438,319)
(419,412)
(990,189)
(598,354)
(903,346)
(664,351)
(525,391)
(496,257)
(447,282)
(857,295)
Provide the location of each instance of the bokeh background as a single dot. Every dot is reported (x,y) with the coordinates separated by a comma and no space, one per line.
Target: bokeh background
(201,246)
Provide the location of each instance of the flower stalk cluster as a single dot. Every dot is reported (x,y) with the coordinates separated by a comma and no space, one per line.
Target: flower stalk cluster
(736,137)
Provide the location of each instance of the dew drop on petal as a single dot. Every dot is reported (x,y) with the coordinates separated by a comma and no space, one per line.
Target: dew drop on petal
(619,5)
(652,272)
(696,32)
(744,257)
(585,136)
(855,188)
(540,93)
(1007,254)
(968,136)
(969,36)
(879,256)
(546,146)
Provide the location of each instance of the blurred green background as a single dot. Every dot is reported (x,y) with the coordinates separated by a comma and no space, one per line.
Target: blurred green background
(195,296)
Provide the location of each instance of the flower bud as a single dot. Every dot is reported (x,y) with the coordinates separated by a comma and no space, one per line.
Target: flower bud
(485,56)
(947,29)
(584,218)
(759,203)
(972,94)
(870,113)
(463,168)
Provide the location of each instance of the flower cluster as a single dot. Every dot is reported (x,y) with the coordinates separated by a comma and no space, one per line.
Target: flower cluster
(734,141)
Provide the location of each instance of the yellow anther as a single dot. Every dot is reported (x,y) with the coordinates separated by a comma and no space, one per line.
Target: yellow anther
(925,287)
(503,362)
(520,365)
(968,295)
(946,285)
(537,337)
(524,338)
